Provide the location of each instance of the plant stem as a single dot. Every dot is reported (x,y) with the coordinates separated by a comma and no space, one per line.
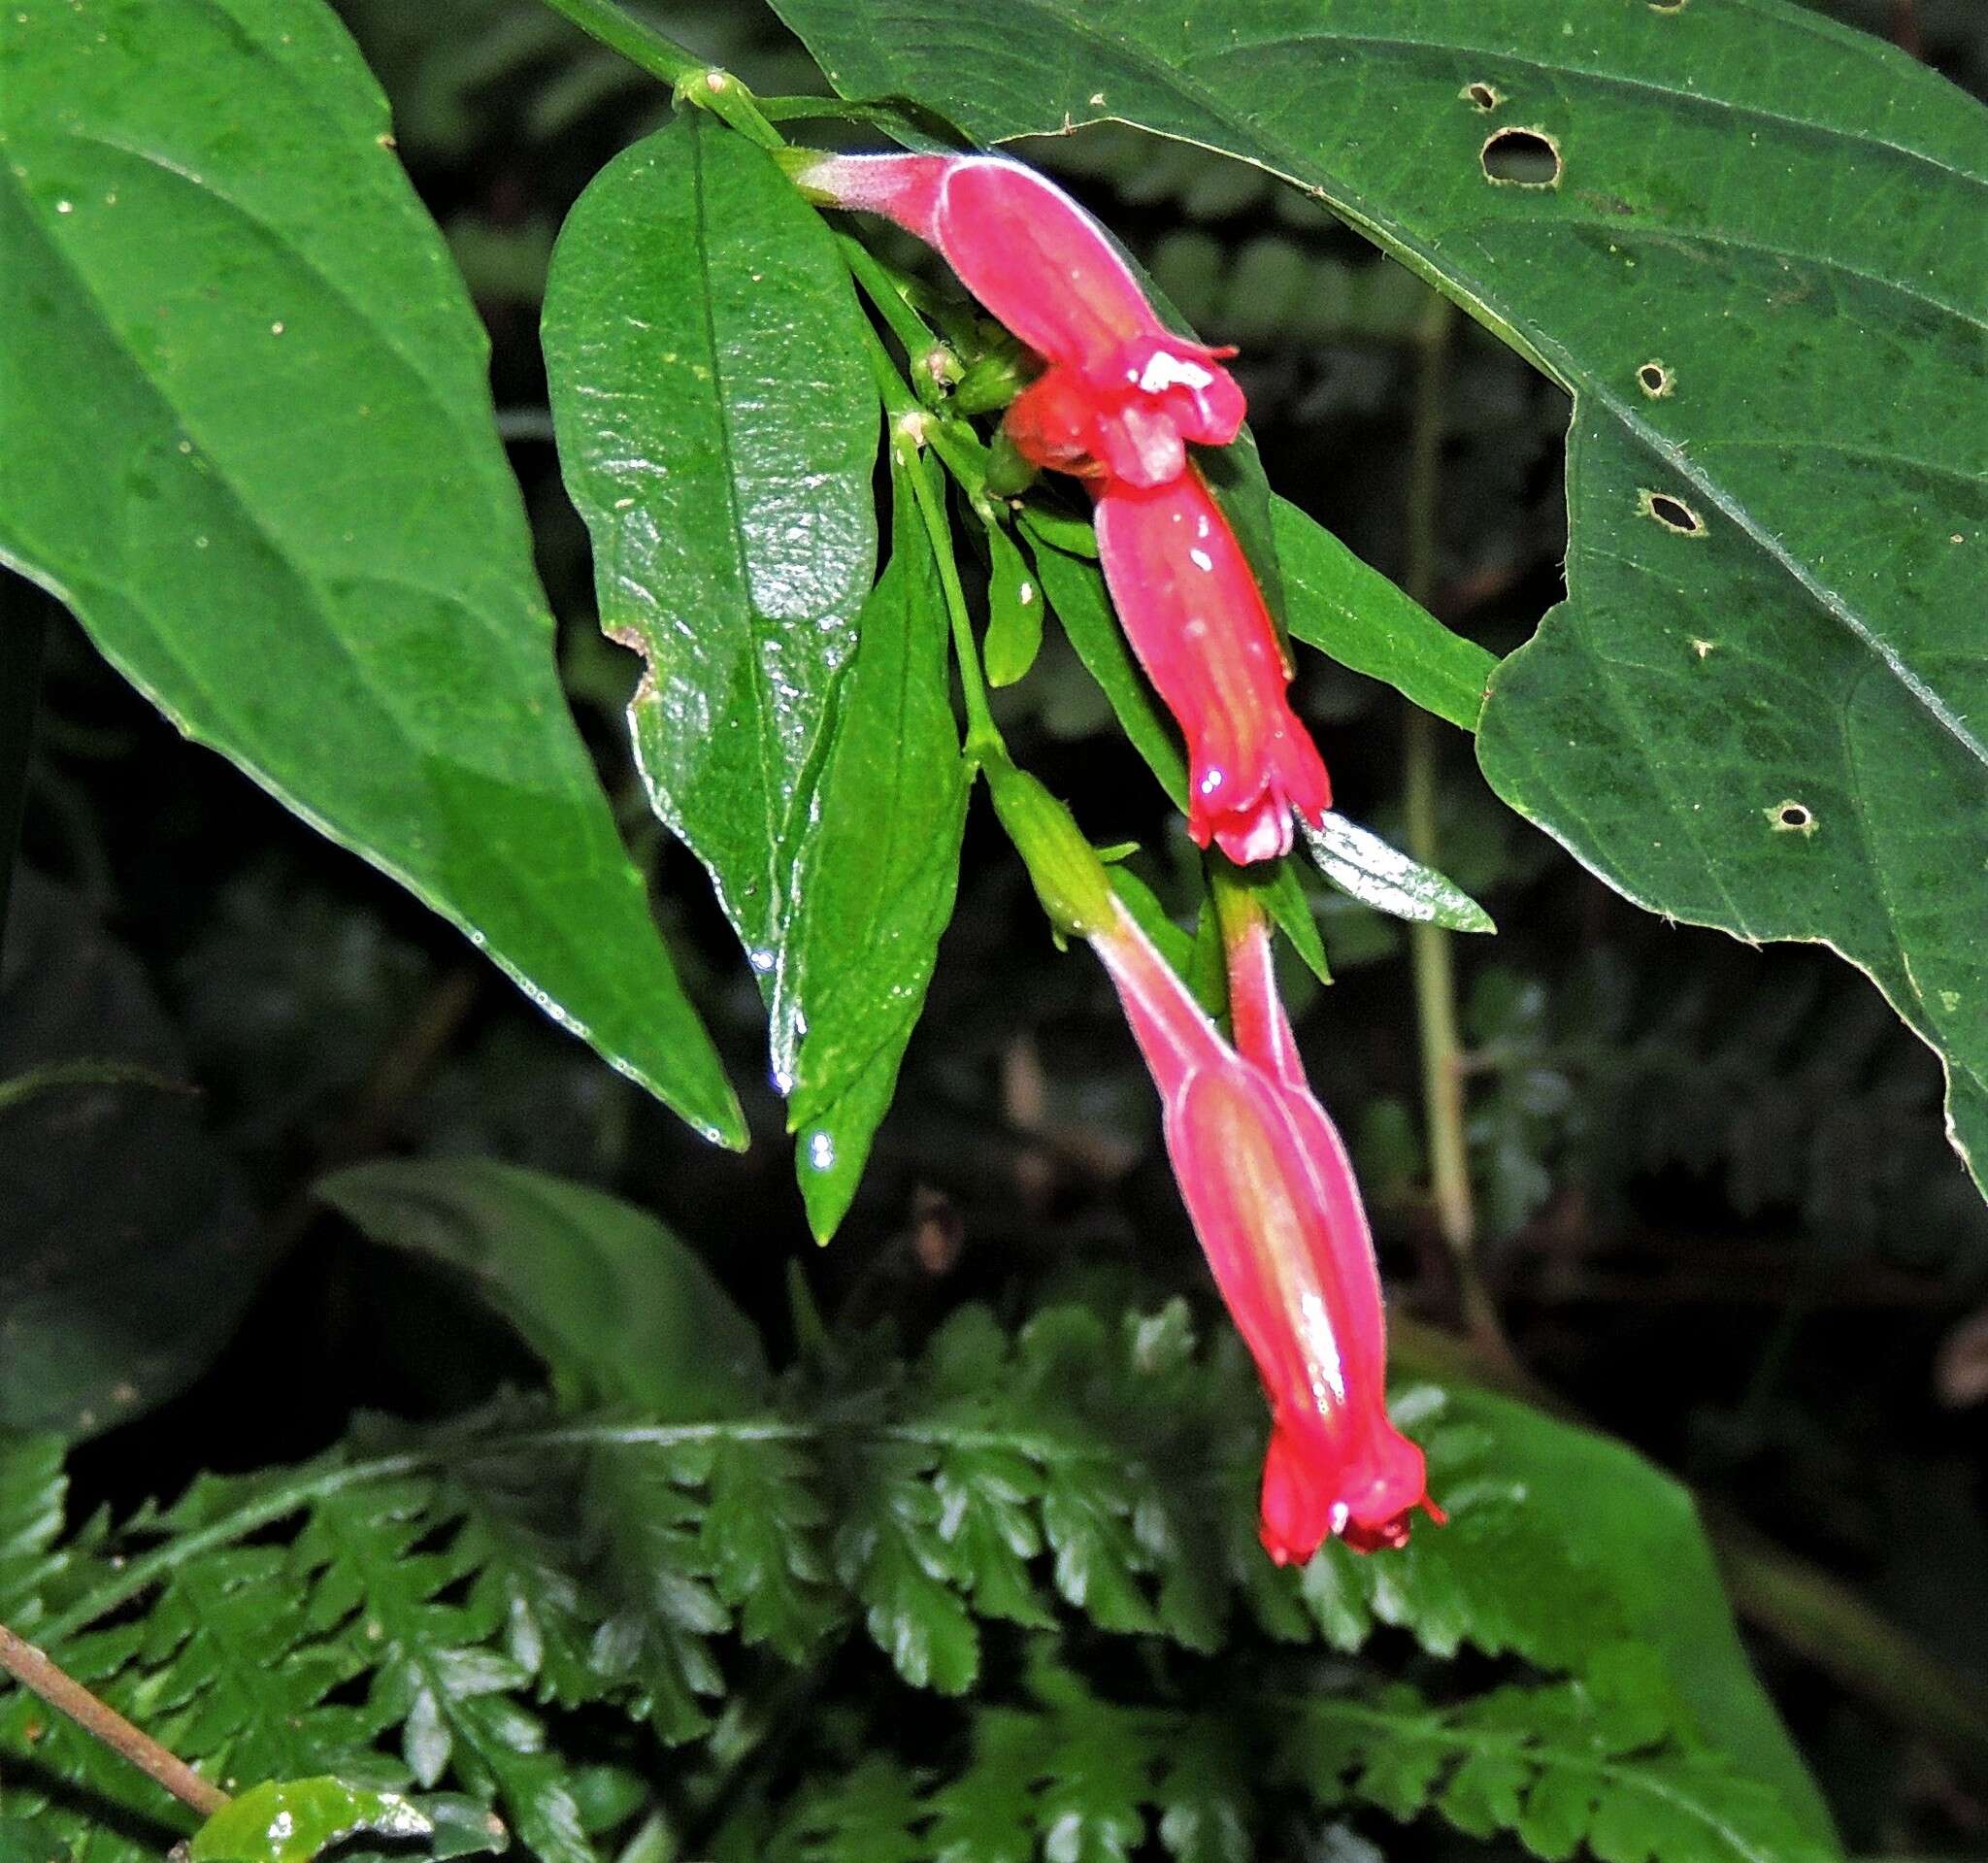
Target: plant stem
(910,427)
(23,636)
(35,1673)
(706,85)
(1429,946)
(983,735)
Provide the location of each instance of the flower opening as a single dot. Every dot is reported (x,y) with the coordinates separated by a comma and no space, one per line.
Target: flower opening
(1271,1192)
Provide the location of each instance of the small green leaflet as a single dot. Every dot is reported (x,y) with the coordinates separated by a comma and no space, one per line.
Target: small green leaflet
(1014,611)
(1357,861)
(291,1820)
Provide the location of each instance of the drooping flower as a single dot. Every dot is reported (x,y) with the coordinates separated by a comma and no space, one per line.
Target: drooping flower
(1118,405)
(1269,1186)
(1271,1190)
(1191,608)
(1122,393)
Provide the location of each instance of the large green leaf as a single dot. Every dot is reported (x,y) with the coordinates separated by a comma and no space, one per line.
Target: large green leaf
(620,1310)
(885,867)
(717,423)
(1747,241)
(248,441)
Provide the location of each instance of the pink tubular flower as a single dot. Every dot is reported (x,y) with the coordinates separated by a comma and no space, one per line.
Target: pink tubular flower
(1122,394)
(1267,1183)
(1189,604)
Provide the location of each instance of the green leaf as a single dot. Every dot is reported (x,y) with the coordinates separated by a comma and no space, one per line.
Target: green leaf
(250,446)
(129,1243)
(1014,611)
(1075,590)
(882,871)
(1358,862)
(1563,1547)
(1336,603)
(619,1309)
(1760,707)
(717,423)
(291,1820)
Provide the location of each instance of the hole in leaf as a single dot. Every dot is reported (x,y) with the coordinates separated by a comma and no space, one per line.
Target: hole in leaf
(1673,514)
(1521,158)
(1655,379)
(1668,5)
(1481,96)
(1792,817)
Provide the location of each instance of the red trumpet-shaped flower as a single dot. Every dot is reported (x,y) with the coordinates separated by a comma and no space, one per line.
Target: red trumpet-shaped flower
(1122,393)
(1190,606)
(1121,398)
(1267,1183)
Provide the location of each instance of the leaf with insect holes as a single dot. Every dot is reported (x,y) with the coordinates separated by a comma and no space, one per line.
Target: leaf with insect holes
(1730,231)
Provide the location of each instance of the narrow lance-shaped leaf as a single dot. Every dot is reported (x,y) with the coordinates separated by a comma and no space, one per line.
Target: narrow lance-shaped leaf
(1358,862)
(883,869)
(249,444)
(718,425)
(1731,231)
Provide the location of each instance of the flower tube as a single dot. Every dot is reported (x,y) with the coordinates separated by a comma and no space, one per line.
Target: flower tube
(1123,394)
(1271,1190)
(1271,1193)
(1191,608)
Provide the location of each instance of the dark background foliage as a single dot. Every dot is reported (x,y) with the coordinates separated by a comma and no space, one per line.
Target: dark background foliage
(1716,1211)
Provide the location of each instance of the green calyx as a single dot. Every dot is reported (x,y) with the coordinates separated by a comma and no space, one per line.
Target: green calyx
(1069,878)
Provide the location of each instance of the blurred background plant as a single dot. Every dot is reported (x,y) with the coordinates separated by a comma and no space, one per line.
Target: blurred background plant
(1711,1201)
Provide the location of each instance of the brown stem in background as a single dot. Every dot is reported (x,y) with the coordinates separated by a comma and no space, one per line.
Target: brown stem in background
(35,1673)
(1429,946)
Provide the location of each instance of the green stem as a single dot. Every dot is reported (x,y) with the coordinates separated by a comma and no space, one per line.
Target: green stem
(910,427)
(914,336)
(706,85)
(983,735)
(23,637)
(1429,946)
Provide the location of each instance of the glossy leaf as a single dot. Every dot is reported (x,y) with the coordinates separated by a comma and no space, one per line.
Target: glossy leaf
(293,1820)
(620,1310)
(1734,234)
(1357,861)
(718,425)
(883,867)
(250,446)
(1076,590)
